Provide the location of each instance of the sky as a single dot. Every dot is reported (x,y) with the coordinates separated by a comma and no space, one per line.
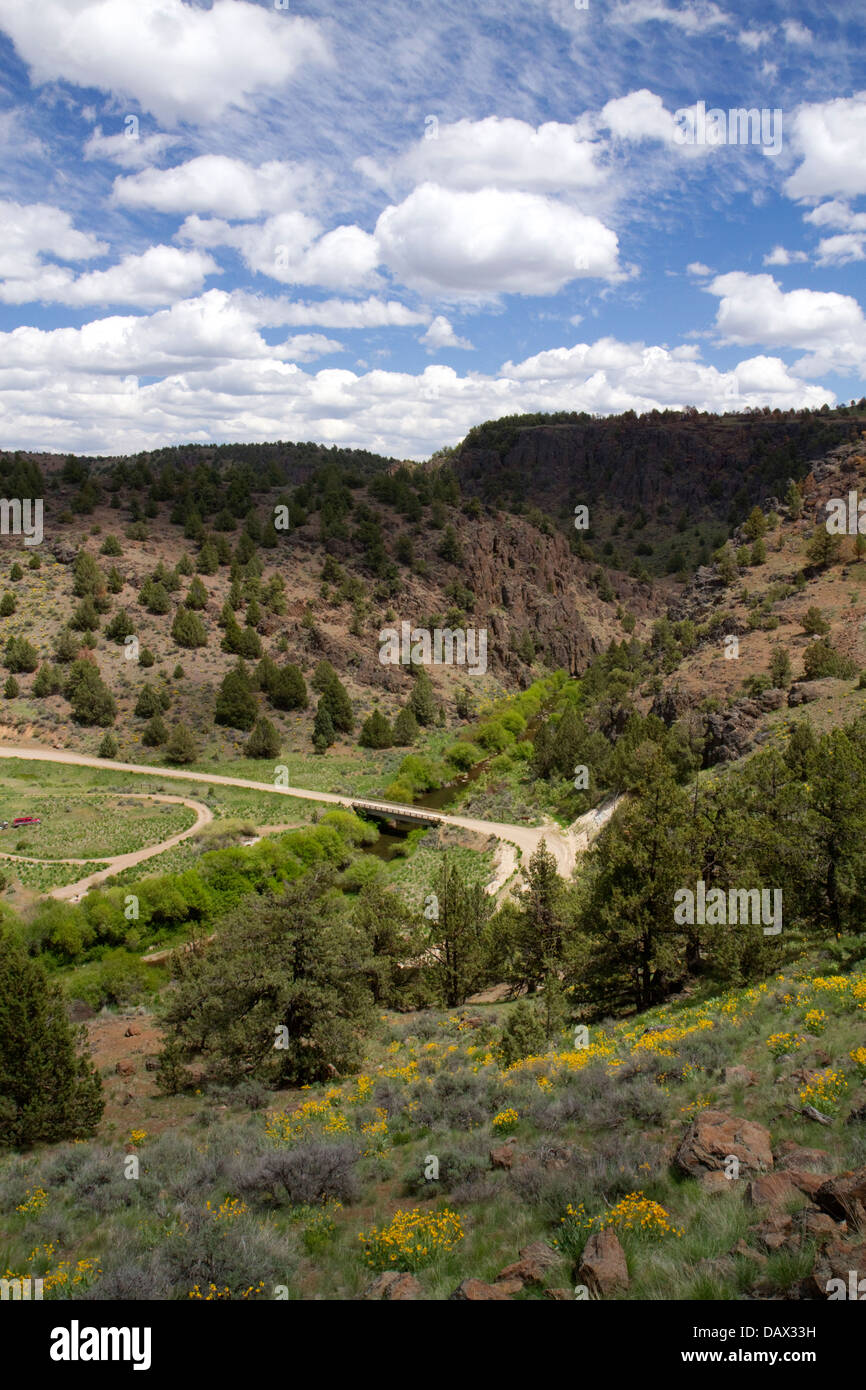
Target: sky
(375,223)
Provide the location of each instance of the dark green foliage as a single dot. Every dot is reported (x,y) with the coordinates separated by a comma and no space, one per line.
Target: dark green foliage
(181,747)
(92,701)
(264,741)
(20,655)
(376,732)
(48,1092)
(188,630)
(236,704)
(405,729)
(323,727)
(280,971)
(121,626)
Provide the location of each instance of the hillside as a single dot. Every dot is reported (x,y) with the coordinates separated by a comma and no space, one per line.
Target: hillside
(481,1055)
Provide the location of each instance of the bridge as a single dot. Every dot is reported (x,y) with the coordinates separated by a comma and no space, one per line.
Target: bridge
(400,815)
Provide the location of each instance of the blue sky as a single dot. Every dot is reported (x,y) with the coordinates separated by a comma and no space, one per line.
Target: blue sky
(378,224)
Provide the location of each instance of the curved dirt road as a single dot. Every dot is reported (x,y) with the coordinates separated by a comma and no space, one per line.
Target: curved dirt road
(565,845)
(117,863)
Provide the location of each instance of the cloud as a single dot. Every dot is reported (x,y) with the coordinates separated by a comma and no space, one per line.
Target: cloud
(639,116)
(692,18)
(27,229)
(214,183)
(158,276)
(797,33)
(698,268)
(440,334)
(304,347)
(496,152)
(133,151)
(180,61)
(490,242)
(77,388)
(780,256)
(830,139)
(331,313)
(754,309)
(840,250)
(836,215)
(290,248)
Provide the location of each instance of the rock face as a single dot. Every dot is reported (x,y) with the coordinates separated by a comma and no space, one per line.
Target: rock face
(713,1136)
(603,1266)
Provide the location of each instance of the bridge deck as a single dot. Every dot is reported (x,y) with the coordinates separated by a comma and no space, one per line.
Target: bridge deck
(396,813)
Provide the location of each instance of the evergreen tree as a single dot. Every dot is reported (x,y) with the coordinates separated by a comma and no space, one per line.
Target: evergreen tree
(405,728)
(48,1091)
(457,936)
(236,703)
(188,630)
(376,732)
(120,627)
(288,689)
(108,745)
(264,741)
(181,747)
(323,727)
(287,962)
(11,689)
(197,596)
(92,701)
(155,732)
(421,702)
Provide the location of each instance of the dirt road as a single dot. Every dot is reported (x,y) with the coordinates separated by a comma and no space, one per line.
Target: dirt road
(565,845)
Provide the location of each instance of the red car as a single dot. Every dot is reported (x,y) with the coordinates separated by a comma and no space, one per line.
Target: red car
(25,820)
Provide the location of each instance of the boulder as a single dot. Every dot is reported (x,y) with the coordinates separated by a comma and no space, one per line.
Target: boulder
(602,1265)
(796,1156)
(125,1069)
(844,1198)
(476,1291)
(713,1136)
(838,1261)
(777,1230)
(394,1285)
(771,1190)
(532,1267)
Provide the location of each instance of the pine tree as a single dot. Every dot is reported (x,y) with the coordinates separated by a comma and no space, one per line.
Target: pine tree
(11,689)
(236,703)
(457,936)
(120,627)
(264,741)
(323,727)
(405,728)
(48,1092)
(181,747)
(421,701)
(376,732)
(92,701)
(289,689)
(7,605)
(108,746)
(197,596)
(155,732)
(188,630)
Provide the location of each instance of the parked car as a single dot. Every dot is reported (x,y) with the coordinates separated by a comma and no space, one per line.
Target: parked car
(25,820)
